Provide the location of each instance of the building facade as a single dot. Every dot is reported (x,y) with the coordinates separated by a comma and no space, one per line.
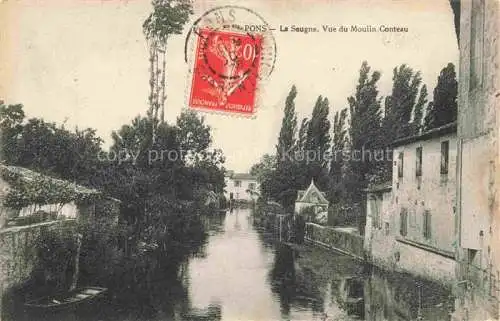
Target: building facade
(241,186)
(477,221)
(314,199)
(408,226)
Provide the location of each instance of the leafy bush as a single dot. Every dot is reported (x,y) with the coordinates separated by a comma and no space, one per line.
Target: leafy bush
(339,215)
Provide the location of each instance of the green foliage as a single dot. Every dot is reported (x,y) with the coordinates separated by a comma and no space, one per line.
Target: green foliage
(286,139)
(132,137)
(419,110)
(443,109)
(399,106)
(54,251)
(345,215)
(365,130)
(47,148)
(318,130)
(11,115)
(337,163)
(364,111)
(39,190)
(161,199)
(264,168)
(168,18)
(301,141)
(193,134)
(11,118)
(293,170)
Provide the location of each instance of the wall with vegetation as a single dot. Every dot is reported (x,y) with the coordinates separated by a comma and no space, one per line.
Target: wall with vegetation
(22,249)
(344,242)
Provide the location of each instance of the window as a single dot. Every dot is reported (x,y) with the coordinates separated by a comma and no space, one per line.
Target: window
(476,44)
(237,183)
(400,164)
(387,230)
(403,220)
(418,167)
(444,157)
(427,224)
(251,186)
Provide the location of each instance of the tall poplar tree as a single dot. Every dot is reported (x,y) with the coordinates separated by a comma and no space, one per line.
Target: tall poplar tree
(365,130)
(418,111)
(167,18)
(337,161)
(301,141)
(400,104)
(317,145)
(443,109)
(318,131)
(286,139)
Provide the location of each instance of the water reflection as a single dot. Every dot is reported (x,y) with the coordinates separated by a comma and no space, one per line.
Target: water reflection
(394,296)
(294,285)
(243,273)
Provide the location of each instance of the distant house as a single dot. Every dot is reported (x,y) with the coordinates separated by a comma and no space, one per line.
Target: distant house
(241,186)
(409,223)
(313,198)
(28,197)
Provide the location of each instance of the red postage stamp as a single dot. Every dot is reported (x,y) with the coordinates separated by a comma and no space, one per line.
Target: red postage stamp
(226,71)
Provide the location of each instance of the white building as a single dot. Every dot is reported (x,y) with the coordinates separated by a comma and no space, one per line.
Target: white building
(313,198)
(478,165)
(409,226)
(241,186)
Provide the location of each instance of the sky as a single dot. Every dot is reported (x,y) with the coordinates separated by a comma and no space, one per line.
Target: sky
(85,62)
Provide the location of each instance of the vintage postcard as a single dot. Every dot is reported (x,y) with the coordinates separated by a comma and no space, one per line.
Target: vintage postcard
(249,160)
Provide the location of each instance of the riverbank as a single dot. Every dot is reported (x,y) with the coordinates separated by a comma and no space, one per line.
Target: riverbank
(110,257)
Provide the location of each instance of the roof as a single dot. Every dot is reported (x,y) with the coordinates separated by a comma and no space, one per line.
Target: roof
(29,175)
(243,176)
(433,133)
(311,195)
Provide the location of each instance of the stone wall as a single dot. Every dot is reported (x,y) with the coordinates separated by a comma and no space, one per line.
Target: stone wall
(478,132)
(396,255)
(344,242)
(17,252)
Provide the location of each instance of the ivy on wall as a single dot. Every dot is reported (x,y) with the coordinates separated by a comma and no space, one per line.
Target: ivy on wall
(28,188)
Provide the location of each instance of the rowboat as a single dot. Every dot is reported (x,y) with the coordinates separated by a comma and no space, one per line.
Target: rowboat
(72,298)
(66,300)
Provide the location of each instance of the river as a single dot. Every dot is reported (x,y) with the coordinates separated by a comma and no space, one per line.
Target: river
(243,273)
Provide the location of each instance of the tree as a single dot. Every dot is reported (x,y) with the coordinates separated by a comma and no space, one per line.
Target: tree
(314,163)
(301,141)
(337,162)
(286,140)
(45,147)
(364,131)
(193,134)
(168,18)
(11,119)
(318,130)
(133,137)
(443,109)
(400,104)
(264,167)
(419,111)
